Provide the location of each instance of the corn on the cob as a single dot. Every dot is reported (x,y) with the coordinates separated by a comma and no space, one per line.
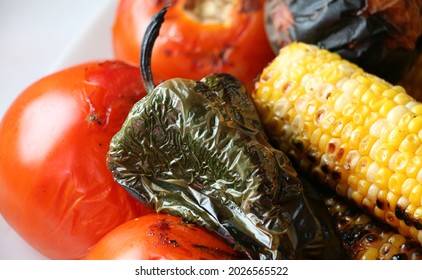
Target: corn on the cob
(364,238)
(348,130)
(412,81)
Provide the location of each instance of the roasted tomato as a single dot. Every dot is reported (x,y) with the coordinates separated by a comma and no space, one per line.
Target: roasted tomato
(198,37)
(161,237)
(55,188)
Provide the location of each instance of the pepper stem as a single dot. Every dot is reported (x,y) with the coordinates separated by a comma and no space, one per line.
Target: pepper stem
(151,34)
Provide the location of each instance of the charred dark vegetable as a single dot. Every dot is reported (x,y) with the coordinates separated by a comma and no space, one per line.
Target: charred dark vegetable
(196,149)
(379,36)
(365,238)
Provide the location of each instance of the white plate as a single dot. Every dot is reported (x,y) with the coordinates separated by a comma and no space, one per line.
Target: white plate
(49,35)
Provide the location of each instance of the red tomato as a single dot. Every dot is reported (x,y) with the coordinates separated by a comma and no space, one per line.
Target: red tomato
(197,38)
(55,188)
(161,237)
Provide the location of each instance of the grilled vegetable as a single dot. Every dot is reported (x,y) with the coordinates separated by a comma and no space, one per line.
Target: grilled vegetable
(365,238)
(196,149)
(349,130)
(379,36)
(412,81)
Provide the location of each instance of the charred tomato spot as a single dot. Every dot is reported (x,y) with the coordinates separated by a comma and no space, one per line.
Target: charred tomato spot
(94,118)
(167,52)
(216,251)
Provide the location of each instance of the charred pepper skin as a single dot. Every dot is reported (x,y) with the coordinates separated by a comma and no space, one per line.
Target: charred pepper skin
(196,149)
(379,37)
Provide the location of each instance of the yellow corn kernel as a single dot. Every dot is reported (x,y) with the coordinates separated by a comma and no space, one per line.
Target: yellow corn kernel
(358,125)
(415,125)
(387,107)
(357,198)
(417,109)
(415,195)
(363,187)
(409,144)
(405,120)
(350,108)
(401,97)
(401,162)
(360,115)
(395,183)
(397,240)
(396,113)
(414,166)
(338,126)
(370,254)
(323,142)
(408,186)
(328,121)
(370,120)
(347,131)
(418,213)
(315,136)
(396,137)
(363,165)
(366,144)
(391,219)
(356,136)
(383,154)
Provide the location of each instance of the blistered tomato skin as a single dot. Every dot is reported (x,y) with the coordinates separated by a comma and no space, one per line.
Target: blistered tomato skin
(198,37)
(161,237)
(55,188)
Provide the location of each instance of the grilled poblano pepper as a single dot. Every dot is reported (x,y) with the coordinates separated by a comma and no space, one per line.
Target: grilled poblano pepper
(196,149)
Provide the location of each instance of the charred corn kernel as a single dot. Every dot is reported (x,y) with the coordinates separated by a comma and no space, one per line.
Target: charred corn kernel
(365,238)
(342,106)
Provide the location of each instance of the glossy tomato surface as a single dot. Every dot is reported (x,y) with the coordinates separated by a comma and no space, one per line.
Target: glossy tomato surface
(161,237)
(197,38)
(55,188)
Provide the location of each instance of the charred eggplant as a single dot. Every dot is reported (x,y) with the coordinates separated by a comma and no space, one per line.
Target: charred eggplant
(379,36)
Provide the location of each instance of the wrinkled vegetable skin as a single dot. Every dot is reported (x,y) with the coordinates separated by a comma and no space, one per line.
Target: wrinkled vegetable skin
(197,150)
(379,36)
